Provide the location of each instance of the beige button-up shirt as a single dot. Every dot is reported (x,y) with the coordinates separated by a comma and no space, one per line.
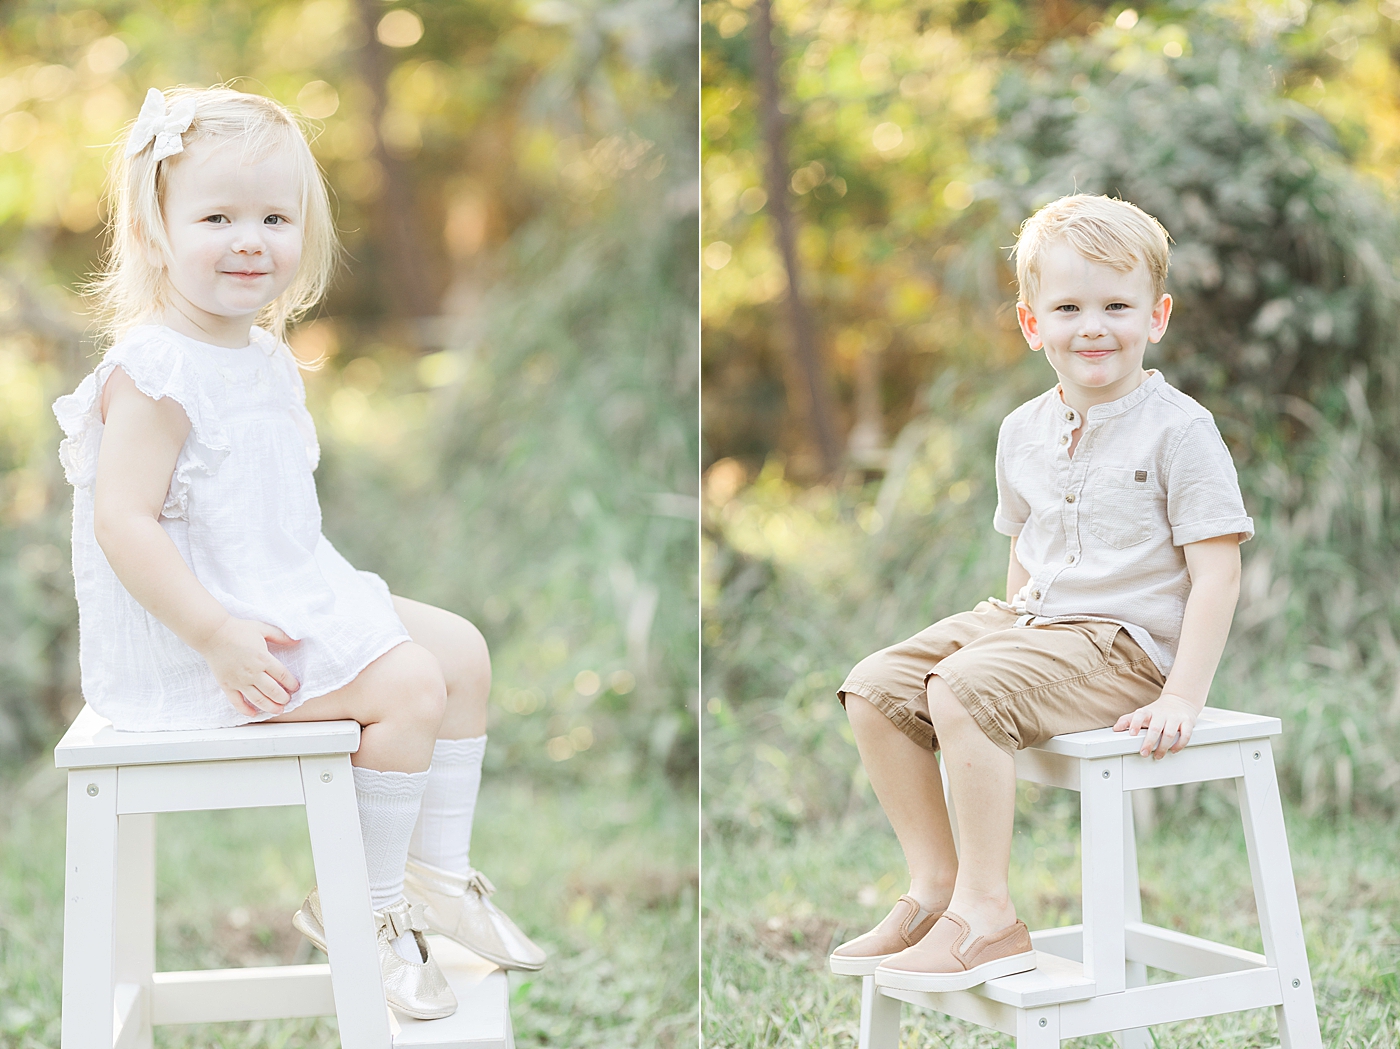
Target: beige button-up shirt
(1101,532)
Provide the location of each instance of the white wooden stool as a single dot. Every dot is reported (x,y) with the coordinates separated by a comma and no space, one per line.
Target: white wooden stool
(112,995)
(1092,978)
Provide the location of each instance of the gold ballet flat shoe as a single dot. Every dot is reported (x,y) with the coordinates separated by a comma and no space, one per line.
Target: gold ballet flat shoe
(418,990)
(458,907)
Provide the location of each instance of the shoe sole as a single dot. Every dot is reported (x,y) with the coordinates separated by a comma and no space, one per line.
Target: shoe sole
(907,980)
(845,965)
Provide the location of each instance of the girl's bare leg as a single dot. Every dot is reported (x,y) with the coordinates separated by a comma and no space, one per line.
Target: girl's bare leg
(466,664)
(982,778)
(399,700)
(909,787)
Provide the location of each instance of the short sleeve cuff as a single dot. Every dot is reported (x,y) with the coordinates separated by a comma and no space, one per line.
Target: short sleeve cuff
(1195,531)
(1006,526)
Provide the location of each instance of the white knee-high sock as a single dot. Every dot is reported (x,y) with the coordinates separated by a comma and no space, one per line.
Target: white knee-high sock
(443,836)
(388,804)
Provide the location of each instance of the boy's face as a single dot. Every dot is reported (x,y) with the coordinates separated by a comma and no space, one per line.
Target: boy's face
(1094,323)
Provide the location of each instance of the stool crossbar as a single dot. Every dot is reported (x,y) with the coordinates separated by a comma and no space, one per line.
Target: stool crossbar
(1092,978)
(112,995)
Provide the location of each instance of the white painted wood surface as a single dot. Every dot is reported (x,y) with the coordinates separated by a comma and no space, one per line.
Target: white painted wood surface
(343,883)
(1266,840)
(206,786)
(1215,725)
(89,911)
(482,1019)
(1135,972)
(259,993)
(91,741)
(1101,803)
(135,919)
(879,1017)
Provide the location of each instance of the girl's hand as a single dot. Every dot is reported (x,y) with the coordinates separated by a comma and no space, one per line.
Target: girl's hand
(1168,723)
(251,677)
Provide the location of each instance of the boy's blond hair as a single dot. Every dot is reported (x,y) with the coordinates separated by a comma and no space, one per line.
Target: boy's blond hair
(132,285)
(1102,229)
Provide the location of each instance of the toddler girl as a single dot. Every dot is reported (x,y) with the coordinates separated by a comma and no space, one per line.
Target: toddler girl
(207,595)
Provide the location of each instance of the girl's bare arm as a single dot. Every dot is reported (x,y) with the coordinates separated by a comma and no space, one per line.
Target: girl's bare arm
(140,444)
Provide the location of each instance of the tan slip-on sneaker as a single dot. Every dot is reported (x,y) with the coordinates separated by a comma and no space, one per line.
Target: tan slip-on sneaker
(903,927)
(420,990)
(459,907)
(944,960)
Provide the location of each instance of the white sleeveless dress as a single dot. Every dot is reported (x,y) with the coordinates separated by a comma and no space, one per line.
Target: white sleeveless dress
(243,513)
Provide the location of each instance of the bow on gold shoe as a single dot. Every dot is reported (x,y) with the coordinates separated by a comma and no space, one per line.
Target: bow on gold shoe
(458,906)
(415,989)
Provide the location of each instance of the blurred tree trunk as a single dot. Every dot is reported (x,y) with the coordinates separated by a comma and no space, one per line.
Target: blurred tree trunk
(402,260)
(820,409)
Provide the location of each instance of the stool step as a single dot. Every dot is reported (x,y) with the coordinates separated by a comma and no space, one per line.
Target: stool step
(1052,981)
(482,1019)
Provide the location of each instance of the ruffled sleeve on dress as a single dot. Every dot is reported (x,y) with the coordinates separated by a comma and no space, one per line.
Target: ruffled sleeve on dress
(160,368)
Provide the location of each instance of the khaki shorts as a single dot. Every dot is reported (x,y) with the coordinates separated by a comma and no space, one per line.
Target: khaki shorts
(1022,685)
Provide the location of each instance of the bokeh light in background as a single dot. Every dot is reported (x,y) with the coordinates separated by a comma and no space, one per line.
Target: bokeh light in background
(507,415)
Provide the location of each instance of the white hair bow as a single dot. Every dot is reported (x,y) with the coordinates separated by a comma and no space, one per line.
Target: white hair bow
(154,122)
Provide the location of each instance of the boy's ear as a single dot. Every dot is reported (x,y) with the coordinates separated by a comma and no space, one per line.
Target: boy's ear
(1030,327)
(1161,314)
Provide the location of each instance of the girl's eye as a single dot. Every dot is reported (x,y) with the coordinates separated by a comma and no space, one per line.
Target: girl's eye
(275,220)
(217,220)
(1067,308)
(1117,306)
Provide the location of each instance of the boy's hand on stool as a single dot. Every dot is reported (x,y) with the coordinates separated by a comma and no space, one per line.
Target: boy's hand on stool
(1168,722)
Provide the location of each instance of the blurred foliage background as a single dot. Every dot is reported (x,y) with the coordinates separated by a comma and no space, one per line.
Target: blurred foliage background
(1265,137)
(508,408)
(902,144)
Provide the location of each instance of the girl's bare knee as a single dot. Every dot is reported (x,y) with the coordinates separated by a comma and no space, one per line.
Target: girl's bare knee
(418,691)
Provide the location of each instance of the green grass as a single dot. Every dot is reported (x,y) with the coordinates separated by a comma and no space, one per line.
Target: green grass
(602,876)
(777,900)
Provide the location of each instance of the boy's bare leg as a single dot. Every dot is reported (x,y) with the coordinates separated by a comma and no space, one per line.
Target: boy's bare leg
(909,788)
(982,778)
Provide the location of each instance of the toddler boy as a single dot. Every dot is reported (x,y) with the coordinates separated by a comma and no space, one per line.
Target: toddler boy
(1125,518)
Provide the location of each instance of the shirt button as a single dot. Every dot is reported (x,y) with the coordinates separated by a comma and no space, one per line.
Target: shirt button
(1069,498)
(1035,595)
(1069,559)
(1064,438)
(1069,416)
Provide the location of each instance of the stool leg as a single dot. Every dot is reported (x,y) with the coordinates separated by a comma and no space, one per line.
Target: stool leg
(1276,896)
(89,882)
(339,856)
(1136,972)
(1101,801)
(948,800)
(879,1017)
(1038,1028)
(136,914)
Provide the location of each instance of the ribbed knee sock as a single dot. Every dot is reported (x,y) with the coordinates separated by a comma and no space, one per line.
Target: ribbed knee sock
(443,835)
(388,804)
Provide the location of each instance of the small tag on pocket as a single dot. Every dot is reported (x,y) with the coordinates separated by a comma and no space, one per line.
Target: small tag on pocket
(1140,476)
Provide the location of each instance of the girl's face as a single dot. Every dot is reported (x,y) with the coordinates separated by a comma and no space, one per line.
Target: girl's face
(235,231)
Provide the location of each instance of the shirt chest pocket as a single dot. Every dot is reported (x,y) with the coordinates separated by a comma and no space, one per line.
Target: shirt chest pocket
(1124,507)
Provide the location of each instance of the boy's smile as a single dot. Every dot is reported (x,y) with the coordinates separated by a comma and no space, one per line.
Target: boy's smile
(1094,323)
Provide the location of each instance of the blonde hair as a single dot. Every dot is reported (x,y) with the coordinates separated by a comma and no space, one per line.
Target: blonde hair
(1103,230)
(131,287)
